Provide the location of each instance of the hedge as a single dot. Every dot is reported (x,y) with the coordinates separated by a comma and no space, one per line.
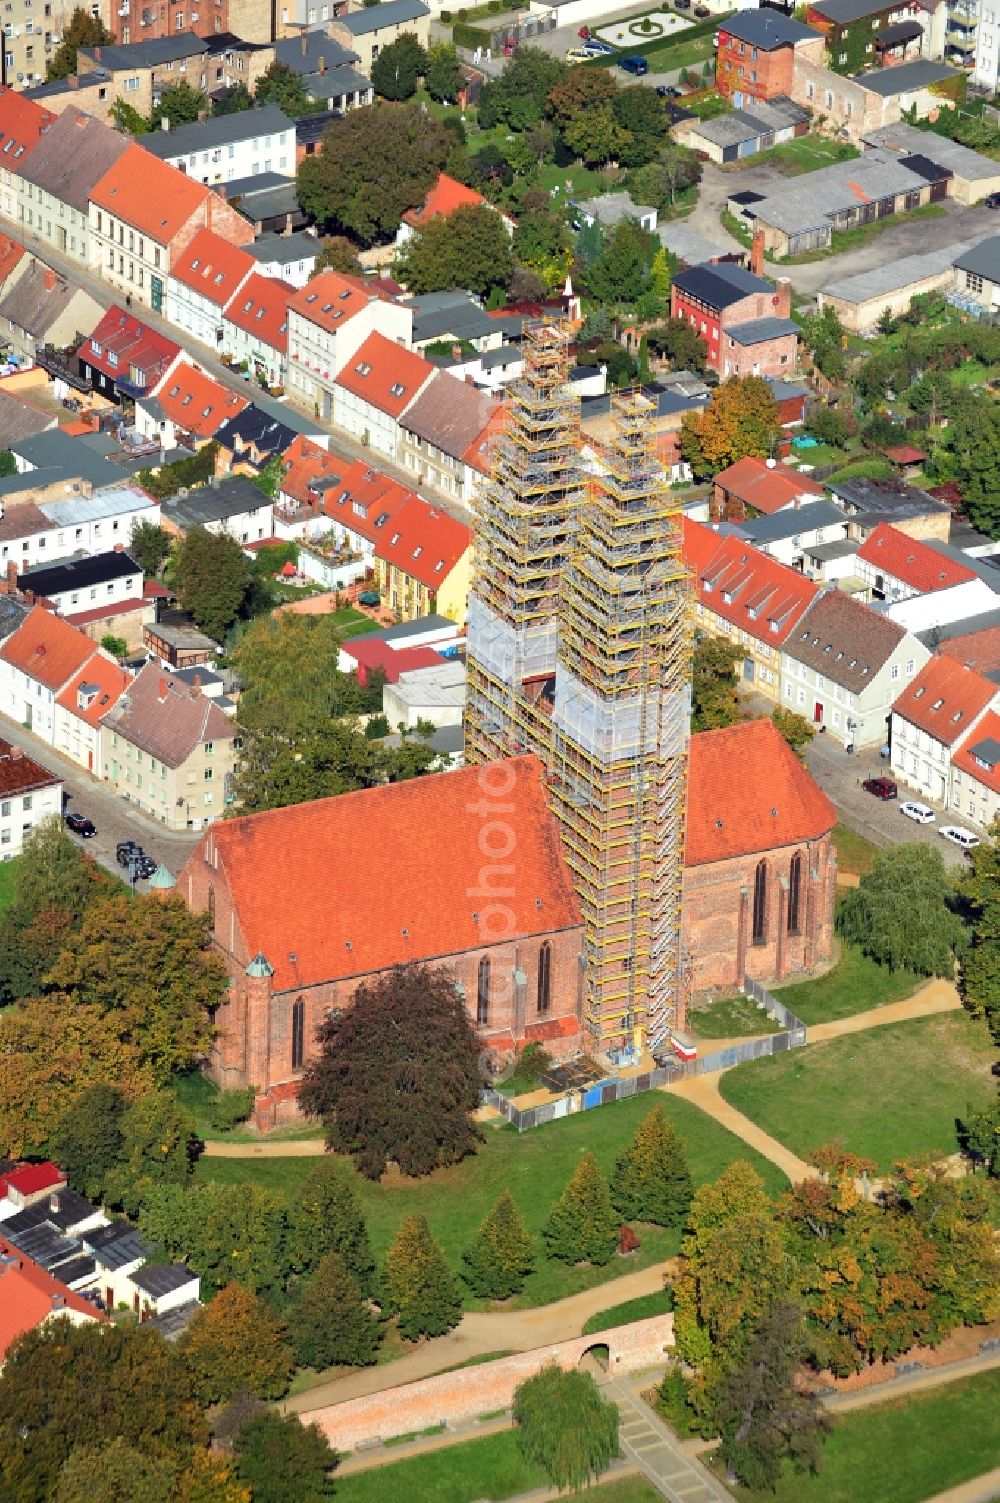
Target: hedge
(471,36)
(643,49)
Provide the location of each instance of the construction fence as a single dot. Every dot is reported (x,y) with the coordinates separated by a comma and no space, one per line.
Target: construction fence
(792,1035)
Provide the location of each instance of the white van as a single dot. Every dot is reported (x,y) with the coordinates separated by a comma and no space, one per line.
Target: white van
(958,836)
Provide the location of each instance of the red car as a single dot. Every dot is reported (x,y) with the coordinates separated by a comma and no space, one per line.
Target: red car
(584,33)
(510,47)
(880,787)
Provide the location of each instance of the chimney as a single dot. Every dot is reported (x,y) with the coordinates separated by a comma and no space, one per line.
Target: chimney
(11,575)
(119,547)
(15,756)
(757,254)
(49,279)
(164,122)
(58,1302)
(162,689)
(322,65)
(197,683)
(54,1201)
(73,81)
(303,42)
(771,463)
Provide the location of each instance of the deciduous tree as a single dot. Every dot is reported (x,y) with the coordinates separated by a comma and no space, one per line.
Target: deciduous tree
(233,100)
(980,890)
(443,76)
(714,700)
(329,1321)
(741,419)
(180,104)
(236,1342)
(639,112)
(564,1426)
(503,1253)
(325,1217)
(89,1139)
(582,106)
(210,1479)
(398,68)
(582,1226)
(114,1471)
(223,1231)
(621,272)
(397,1074)
(338,254)
(284,1461)
(675,341)
(159,1144)
(212,578)
(82,30)
(518,98)
(902,912)
(651,1180)
(469,248)
(419,1287)
(793,728)
(282,86)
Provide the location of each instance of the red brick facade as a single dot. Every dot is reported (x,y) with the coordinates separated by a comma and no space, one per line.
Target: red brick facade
(776,357)
(750,71)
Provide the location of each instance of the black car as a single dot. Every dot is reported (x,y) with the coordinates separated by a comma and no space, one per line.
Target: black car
(667,91)
(992,201)
(126,850)
(145,867)
(81,825)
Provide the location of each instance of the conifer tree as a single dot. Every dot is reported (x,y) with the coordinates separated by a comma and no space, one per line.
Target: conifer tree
(582,1227)
(502,1254)
(329,1321)
(418,1286)
(651,1180)
(325,1217)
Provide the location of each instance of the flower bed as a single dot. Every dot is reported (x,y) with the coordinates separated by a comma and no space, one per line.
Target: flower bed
(659,25)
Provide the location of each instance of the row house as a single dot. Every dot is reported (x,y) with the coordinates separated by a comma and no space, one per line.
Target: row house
(754,487)
(255,329)
(81,584)
(756,55)
(423,562)
(975,776)
(204,279)
(811,538)
(29,793)
(328,320)
(897,567)
(359,504)
(224,148)
(124,358)
(38,661)
(143,215)
(375,388)
(932,717)
(43,308)
(101,520)
(82,705)
(232,504)
(445,436)
(57,178)
(22,124)
(187,407)
(743,319)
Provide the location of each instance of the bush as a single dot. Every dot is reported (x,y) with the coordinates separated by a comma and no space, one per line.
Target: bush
(376,728)
(533,1060)
(446,17)
(231,1107)
(472,37)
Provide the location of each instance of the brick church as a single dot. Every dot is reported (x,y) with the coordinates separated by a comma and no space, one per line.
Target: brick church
(465,869)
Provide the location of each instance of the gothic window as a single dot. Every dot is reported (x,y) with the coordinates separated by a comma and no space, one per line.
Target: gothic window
(795,895)
(760,903)
(483,993)
(544,977)
(298,1032)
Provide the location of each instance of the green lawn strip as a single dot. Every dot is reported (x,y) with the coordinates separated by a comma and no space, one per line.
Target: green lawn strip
(904,1450)
(9,873)
(855,984)
(353,623)
(805,155)
(861,234)
(873,468)
(854,853)
(642,1308)
(535,1167)
(889,1093)
(736,227)
(730,1018)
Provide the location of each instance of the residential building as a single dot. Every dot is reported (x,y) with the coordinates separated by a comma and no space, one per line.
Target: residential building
(232,505)
(22,125)
(975,776)
(897,567)
(98,521)
(225,147)
(125,358)
(328,320)
(177,642)
(292,258)
(57,178)
(43,308)
(255,329)
(29,793)
(976,275)
(445,436)
(844,665)
(143,215)
(79,584)
(37,661)
(717,299)
(853,29)
(136,70)
(423,559)
(186,408)
(26,537)
(958,602)
(932,716)
(268,202)
(859,301)
(375,388)
(442,200)
(971,176)
(206,276)
(170,750)
(756,53)
(790,535)
(747,599)
(908,508)
(297,936)
(755,487)
(80,707)
(360,502)
(369,31)
(329,73)
(456,317)
(30,1297)
(246,442)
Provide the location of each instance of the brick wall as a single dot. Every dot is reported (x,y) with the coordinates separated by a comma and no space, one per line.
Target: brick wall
(773,69)
(771,357)
(847,107)
(452,1398)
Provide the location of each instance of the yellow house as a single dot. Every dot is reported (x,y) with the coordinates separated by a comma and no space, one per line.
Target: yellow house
(423,564)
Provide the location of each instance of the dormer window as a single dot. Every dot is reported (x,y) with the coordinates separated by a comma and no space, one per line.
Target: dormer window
(363,369)
(397,390)
(196,263)
(394,540)
(417,552)
(937,704)
(919,693)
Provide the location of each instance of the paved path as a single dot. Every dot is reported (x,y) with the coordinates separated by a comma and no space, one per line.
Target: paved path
(290,1148)
(656,1451)
(980,1490)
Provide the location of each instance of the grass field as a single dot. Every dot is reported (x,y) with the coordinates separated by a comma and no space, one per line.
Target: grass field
(353,623)
(854,853)
(805,155)
(888,1094)
(729,1018)
(8,882)
(903,1451)
(535,1167)
(854,985)
(632,1309)
(680,54)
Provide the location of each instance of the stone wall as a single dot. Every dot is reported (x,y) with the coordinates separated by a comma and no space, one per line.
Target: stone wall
(455,1397)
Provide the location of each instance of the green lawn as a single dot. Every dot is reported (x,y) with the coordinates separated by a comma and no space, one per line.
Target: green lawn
(353,623)
(903,1451)
(805,155)
(679,54)
(872,468)
(890,1093)
(854,853)
(845,240)
(9,871)
(730,1018)
(535,1167)
(854,985)
(642,1308)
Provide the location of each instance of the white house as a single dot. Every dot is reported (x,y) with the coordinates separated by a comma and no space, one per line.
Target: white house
(29,793)
(328,321)
(292,258)
(789,534)
(37,661)
(91,692)
(933,715)
(375,388)
(941,607)
(83,584)
(204,277)
(226,147)
(975,775)
(26,537)
(102,520)
(255,328)
(233,505)
(159,1287)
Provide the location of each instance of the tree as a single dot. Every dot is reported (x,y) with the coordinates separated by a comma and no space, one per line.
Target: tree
(111,1472)
(831,425)
(582,106)
(397,1074)
(824,337)
(518,98)
(117,646)
(639,112)
(159,1144)
(126,118)
(82,30)
(651,1180)
(502,1255)
(180,104)
(8,464)
(443,77)
(678,343)
(418,1286)
(621,367)
(621,272)
(660,274)
(212,578)
(221,1231)
(763,1417)
(284,1461)
(236,1342)
(89,1139)
(325,1217)
(210,1479)
(714,700)
(280,85)
(564,1426)
(794,728)
(742,418)
(979,1138)
(329,1321)
(338,254)
(582,1226)
(674,169)
(66,1386)
(470,248)
(974,445)
(901,913)
(398,68)
(233,100)
(374,164)
(147,961)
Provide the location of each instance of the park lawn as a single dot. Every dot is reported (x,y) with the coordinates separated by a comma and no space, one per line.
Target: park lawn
(9,873)
(903,1451)
(535,1167)
(887,1094)
(855,854)
(805,155)
(855,984)
(729,1018)
(679,54)
(641,1308)
(353,623)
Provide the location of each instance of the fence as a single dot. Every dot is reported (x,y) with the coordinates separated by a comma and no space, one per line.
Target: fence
(604,1092)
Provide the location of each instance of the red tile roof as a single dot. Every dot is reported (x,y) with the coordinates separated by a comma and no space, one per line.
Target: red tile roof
(126,349)
(389,875)
(47,649)
(331,299)
(306,461)
(372,652)
(423,541)
(913,562)
(976,649)
(22,123)
(31,1179)
(944,699)
(905,454)
(10,254)
(748,792)
(445,197)
(81,619)
(261,309)
(744,587)
(195,402)
(106,677)
(365,500)
(385,374)
(20,774)
(212,267)
(979,753)
(30,1295)
(767,488)
(149,195)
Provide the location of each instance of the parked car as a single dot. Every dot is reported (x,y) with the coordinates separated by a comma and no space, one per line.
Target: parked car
(510,47)
(145,867)
(667,91)
(81,825)
(584,32)
(881,787)
(683,4)
(594,47)
(958,836)
(918,812)
(578,55)
(992,200)
(637,66)
(126,850)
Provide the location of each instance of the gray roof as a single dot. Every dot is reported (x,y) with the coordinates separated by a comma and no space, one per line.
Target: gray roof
(811,201)
(685,243)
(611,208)
(768,29)
(162,1278)
(151,54)
(984,567)
(825,553)
(982,260)
(312,51)
(19,419)
(756,330)
(792,520)
(892,276)
(843,12)
(72,154)
(885,498)
(13,613)
(13,485)
(109,502)
(730,129)
(961,160)
(116,1244)
(173,1323)
(967,627)
(214,503)
(389,13)
(59,86)
(217,130)
(336,81)
(73,456)
(987,750)
(33,306)
(178,630)
(903,77)
(407,629)
(454,313)
(279,250)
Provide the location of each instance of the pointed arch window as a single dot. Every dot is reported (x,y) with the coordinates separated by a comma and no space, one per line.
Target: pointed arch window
(298,1033)
(483,993)
(760,903)
(545,977)
(795,895)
